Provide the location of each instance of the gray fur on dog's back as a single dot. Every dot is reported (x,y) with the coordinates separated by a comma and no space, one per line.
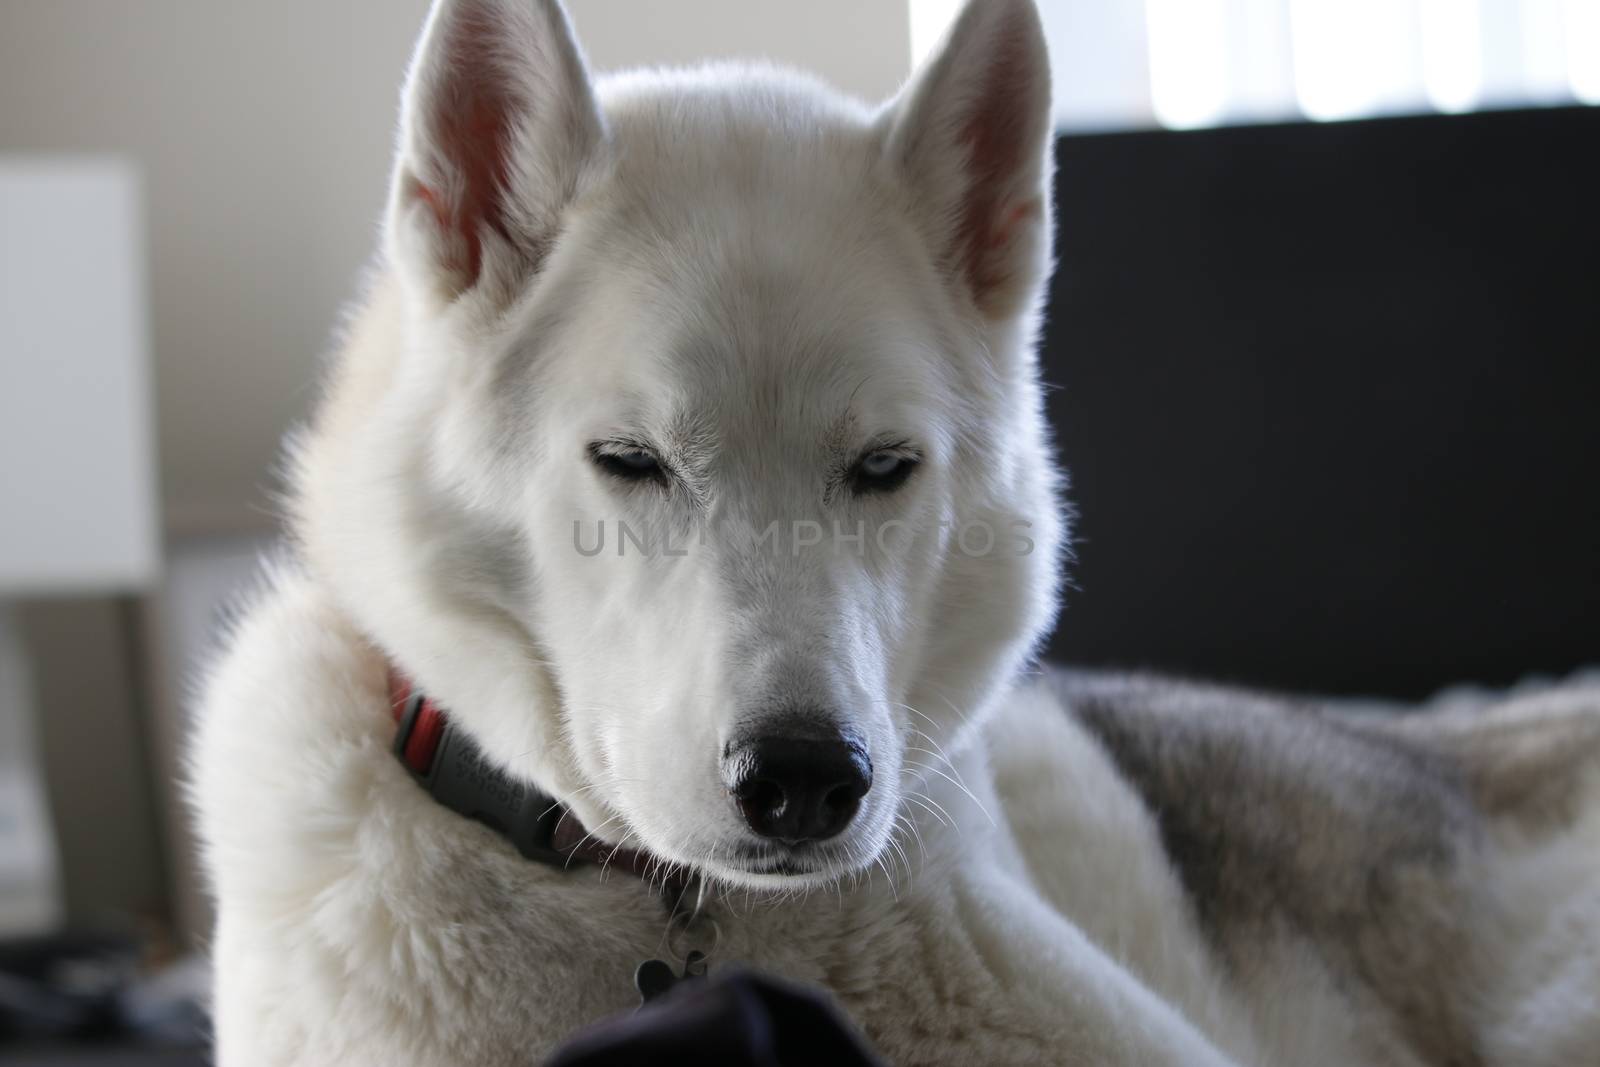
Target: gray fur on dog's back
(1293,822)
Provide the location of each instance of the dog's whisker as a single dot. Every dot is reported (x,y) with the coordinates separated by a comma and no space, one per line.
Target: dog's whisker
(606,863)
(962,717)
(900,852)
(929,768)
(889,875)
(585,790)
(922,849)
(902,819)
(941,756)
(585,837)
(926,737)
(929,719)
(934,808)
(909,847)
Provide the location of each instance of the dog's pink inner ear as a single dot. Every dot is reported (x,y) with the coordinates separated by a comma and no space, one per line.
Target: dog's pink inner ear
(469,122)
(1000,144)
(474,141)
(974,134)
(500,124)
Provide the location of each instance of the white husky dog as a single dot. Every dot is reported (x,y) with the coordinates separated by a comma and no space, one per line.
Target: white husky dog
(687,457)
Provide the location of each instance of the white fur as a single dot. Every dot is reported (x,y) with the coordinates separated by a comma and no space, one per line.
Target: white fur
(762,279)
(362,923)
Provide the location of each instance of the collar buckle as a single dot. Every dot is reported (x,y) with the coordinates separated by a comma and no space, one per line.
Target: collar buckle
(463,780)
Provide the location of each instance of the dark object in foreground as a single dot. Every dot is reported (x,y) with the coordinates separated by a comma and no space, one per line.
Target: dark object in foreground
(737,1019)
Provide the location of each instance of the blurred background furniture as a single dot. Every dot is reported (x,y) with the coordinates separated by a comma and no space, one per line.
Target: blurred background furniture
(77,463)
(78,482)
(1330,397)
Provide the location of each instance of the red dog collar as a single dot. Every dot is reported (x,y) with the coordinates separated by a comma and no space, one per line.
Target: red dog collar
(446,763)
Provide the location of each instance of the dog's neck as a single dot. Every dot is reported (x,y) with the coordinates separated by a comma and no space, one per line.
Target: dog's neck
(454,771)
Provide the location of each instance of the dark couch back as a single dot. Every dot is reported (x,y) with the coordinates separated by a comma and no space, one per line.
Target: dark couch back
(1330,399)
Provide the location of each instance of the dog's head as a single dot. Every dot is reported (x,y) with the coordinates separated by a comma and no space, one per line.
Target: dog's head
(690,449)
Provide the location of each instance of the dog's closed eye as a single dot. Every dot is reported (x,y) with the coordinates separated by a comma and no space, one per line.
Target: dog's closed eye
(628,461)
(883,470)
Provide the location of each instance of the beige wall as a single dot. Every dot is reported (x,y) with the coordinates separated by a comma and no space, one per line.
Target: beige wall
(860,46)
(264,131)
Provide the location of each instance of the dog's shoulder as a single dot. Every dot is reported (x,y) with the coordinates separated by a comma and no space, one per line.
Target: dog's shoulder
(293,688)
(348,898)
(291,670)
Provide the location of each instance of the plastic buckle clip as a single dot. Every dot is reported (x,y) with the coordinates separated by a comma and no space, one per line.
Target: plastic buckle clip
(463,780)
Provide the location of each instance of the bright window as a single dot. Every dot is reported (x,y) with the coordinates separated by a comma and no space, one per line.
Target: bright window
(1187,63)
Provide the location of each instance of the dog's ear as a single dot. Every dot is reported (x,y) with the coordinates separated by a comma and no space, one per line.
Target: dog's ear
(972,135)
(498,125)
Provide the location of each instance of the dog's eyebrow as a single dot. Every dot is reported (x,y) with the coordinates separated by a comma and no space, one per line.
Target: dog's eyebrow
(678,436)
(845,438)
(687,440)
(687,435)
(845,428)
(677,429)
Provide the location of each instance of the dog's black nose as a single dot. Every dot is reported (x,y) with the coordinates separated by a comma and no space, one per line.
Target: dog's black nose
(799,788)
